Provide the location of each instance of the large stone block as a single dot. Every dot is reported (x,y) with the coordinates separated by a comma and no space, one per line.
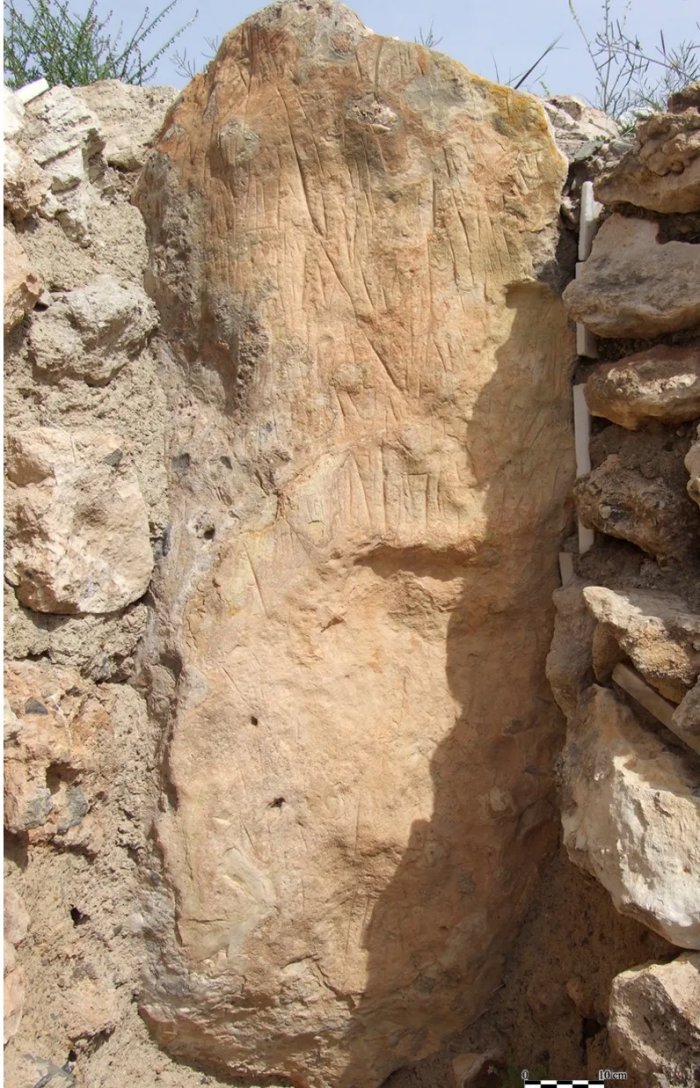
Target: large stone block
(660,384)
(662,171)
(77,527)
(631,817)
(655,1021)
(632,285)
(658,632)
(92,332)
(347,237)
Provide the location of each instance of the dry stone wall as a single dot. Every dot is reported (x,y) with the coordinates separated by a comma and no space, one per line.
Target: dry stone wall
(624,662)
(86,513)
(289,461)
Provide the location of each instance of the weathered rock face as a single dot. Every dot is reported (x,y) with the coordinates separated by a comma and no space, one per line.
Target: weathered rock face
(659,634)
(622,501)
(631,817)
(59,755)
(78,538)
(692,463)
(655,1021)
(21,285)
(92,332)
(346,236)
(633,285)
(662,171)
(662,383)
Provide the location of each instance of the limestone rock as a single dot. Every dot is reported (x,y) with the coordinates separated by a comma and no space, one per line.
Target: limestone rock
(654,1021)
(92,332)
(662,171)
(631,285)
(346,232)
(12,114)
(569,661)
(130,118)
(692,463)
(77,528)
(62,135)
(686,718)
(16,918)
(631,817)
(16,925)
(24,183)
(14,992)
(102,647)
(579,128)
(22,286)
(59,756)
(656,631)
(624,503)
(662,383)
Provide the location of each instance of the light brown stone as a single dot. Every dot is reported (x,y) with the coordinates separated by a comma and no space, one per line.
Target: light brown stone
(686,718)
(59,756)
(632,285)
(692,463)
(656,631)
(14,993)
(660,384)
(631,817)
(662,171)
(16,918)
(62,135)
(21,285)
(92,332)
(579,128)
(654,1021)
(622,502)
(24,183)
(77,532)
(130,117)
(569,661)
(359,311)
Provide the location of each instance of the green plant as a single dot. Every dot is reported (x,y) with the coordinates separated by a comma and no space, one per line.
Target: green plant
(631,80)
(47,39)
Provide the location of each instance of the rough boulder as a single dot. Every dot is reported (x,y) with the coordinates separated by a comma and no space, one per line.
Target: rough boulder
(351,239)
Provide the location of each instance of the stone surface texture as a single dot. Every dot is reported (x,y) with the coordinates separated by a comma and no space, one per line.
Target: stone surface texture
(658,633)
(93,893)
(692,463)
(662,383)
(632,285)
(59,755)
(629,618)
(570,660)
(361,318)
(686,718)
(293,796)
(78,538)
(92,332)
(655,1021)
(624,502)
(21,285)
(129,117)
(662,171)
(631,816)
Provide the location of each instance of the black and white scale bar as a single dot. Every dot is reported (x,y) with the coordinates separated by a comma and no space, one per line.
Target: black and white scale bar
(563,1084)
